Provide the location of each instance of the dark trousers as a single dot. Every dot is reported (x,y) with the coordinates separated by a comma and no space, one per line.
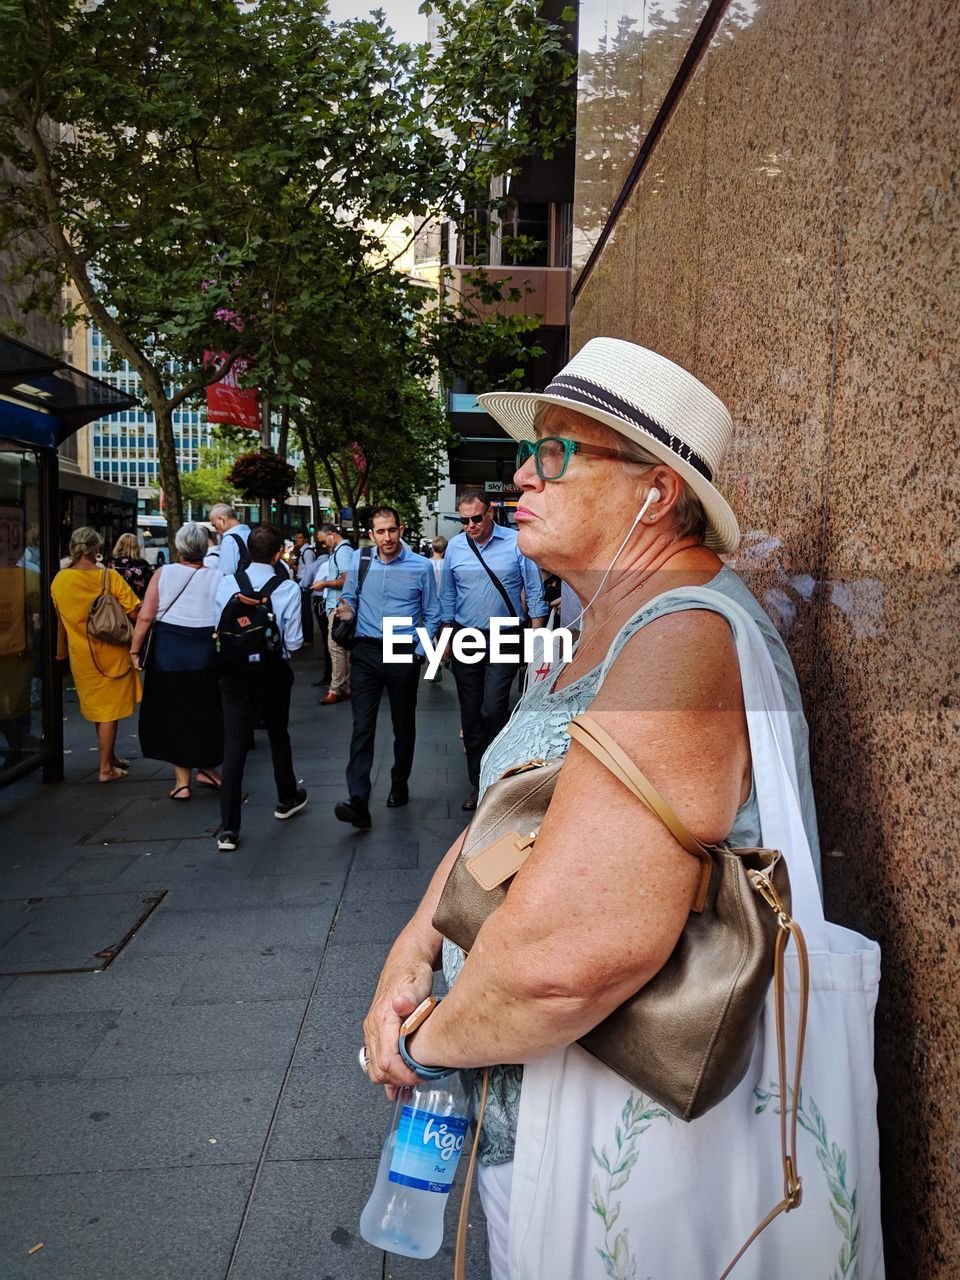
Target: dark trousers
(369,676)
(247,699)
(484,692)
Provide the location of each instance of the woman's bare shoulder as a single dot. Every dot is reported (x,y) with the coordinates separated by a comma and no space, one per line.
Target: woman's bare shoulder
(681,660)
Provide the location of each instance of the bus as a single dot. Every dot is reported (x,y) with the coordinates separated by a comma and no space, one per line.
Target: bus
(153,535)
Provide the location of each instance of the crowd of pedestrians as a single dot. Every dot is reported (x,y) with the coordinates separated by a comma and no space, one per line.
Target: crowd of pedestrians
(205,642)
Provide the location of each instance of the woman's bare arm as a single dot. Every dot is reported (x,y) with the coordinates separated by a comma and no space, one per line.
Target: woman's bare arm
(406,979)
(148,611)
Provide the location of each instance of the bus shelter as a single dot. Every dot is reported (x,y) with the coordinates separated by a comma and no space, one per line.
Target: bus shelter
(43,401)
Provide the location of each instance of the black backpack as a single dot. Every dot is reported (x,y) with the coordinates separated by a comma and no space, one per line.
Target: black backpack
(243,551)
(248,633)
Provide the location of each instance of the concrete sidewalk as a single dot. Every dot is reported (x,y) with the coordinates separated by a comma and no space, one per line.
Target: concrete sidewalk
(195,1111)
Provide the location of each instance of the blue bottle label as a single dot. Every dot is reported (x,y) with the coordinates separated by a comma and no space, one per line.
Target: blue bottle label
(427,1150)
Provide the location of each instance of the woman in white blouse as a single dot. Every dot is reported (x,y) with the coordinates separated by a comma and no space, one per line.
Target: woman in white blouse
(181,719)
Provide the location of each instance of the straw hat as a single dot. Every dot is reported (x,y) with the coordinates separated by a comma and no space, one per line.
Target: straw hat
(651,401)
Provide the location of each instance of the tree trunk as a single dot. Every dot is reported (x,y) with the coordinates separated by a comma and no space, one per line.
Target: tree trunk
(169,471)
(334,487)
(311,469)
(284,432)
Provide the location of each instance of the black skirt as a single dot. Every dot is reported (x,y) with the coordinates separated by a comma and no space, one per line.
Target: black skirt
(181,719)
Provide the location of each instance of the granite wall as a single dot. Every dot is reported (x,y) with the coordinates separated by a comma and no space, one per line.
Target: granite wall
(793,240)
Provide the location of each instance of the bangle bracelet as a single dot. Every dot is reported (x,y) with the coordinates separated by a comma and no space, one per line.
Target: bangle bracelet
(134,653)
(407,1028)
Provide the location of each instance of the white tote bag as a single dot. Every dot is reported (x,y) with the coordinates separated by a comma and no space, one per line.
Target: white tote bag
(607,1184)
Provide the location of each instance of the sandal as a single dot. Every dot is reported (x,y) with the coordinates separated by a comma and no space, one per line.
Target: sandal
(120,763)
(177,792)
(114,776)
(212,784)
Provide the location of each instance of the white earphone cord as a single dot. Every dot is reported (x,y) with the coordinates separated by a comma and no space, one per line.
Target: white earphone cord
(652,496)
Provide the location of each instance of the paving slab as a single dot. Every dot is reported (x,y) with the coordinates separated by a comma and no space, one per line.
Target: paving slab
(304,1223)
(159,818)
(37,1045)
(234,929)
(311,856)
(69,932)
(195,1038)
(332,1028)
(207,893)
(131,981)
(140,1122)
(358,923)
(282,973)
(330,1111)
(185,862)
(381,848)
(28,827)
(368,884)
(351,969)
(98,867)
(158,1224)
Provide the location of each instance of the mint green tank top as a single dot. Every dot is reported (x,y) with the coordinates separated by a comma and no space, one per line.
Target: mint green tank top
(538,729)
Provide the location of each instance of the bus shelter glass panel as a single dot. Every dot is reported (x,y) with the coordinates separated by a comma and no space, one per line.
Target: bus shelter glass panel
(21,637)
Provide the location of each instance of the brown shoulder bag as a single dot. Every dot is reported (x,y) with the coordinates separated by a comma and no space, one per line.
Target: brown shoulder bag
(107,622)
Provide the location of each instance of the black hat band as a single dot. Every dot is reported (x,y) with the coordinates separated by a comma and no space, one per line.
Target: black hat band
(588,393)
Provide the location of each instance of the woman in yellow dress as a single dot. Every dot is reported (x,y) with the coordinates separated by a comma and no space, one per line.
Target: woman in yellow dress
(107,685)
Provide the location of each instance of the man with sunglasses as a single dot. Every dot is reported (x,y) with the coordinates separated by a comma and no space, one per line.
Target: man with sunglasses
(484,576)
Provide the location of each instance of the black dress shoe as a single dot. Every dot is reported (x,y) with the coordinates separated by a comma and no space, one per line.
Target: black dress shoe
(355,811)
(470,803)
(398,797)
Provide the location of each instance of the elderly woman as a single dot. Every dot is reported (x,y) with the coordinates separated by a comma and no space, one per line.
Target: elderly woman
(181,719)
(128,561)
(106,682)
(621,448)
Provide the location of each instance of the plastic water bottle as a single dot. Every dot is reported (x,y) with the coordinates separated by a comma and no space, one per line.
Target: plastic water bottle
(428,1127)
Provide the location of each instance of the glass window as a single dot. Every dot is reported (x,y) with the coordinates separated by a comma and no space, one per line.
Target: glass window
(21,648)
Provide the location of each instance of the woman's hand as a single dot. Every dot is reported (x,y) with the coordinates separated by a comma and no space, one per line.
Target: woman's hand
(401,988)
(135,661)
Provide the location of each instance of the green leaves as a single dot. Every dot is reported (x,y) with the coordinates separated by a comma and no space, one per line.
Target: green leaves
(220,177)
(638,1113)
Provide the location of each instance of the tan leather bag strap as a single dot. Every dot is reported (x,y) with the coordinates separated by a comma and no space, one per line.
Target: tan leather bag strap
(789,1098)
(585,730)
(460,1254)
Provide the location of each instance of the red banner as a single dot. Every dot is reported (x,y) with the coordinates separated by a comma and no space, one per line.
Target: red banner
(227,401)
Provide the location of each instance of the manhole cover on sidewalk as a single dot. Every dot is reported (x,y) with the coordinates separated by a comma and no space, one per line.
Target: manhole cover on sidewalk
(78,934)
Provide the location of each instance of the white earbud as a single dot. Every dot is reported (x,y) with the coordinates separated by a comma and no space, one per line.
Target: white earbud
(652,496)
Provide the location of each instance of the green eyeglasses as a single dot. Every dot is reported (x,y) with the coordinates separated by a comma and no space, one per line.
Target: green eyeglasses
(552,454)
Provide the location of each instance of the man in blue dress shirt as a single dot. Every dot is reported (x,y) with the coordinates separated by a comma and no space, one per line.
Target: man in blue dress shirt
(469,597)
(234,535)
(398,584)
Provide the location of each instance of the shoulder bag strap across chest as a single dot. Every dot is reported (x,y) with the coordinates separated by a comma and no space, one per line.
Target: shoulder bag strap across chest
(492,576)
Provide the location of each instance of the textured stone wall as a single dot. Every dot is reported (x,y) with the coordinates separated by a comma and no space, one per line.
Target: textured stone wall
(793,240)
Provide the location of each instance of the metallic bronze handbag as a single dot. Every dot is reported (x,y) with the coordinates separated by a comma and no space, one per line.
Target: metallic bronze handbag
(686,1038)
